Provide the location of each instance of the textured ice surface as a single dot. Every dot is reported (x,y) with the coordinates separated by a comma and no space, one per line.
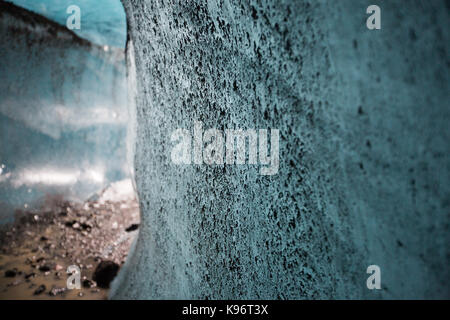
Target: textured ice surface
(364,154)
(62,112)
(102,21)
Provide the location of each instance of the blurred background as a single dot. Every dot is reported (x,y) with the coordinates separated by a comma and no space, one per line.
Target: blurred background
(62,102)
(66,197)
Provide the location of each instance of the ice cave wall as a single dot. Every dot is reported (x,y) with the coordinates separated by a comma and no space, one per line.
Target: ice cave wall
(364,155)
(62,112)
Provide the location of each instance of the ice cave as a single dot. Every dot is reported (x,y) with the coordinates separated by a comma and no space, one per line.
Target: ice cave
(363,161)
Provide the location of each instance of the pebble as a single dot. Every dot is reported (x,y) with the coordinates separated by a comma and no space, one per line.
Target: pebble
(30,275)
(132,227)
(56,290)
(10,273)
(105,273)
(89,284)
(40,289)
(44,268)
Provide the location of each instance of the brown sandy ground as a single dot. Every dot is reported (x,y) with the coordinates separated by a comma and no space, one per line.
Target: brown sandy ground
(37,249)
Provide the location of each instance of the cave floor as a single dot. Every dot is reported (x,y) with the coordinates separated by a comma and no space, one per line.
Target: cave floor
(37,249)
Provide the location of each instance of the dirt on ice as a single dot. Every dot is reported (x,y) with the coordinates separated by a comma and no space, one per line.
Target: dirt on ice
(37,249)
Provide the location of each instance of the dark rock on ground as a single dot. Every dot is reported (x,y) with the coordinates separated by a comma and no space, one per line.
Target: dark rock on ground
(89,283)
(105,272)
(30,275)
(10,273)
(39,290)
(70,223)
(56,290)
(86,226)
(44,268)
(132,227)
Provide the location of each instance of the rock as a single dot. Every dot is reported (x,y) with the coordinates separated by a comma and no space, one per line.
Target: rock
(105,272)
(89,283)
(39,290)
(10,273)
(56,290)
(86,226)
(30,275)
(70,223)
(44,268)
(133,227)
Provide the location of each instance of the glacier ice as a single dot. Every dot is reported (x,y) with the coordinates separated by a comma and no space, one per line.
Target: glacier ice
(63,113)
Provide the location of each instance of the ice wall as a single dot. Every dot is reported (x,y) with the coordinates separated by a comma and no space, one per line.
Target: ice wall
(364,155)
(62,112)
